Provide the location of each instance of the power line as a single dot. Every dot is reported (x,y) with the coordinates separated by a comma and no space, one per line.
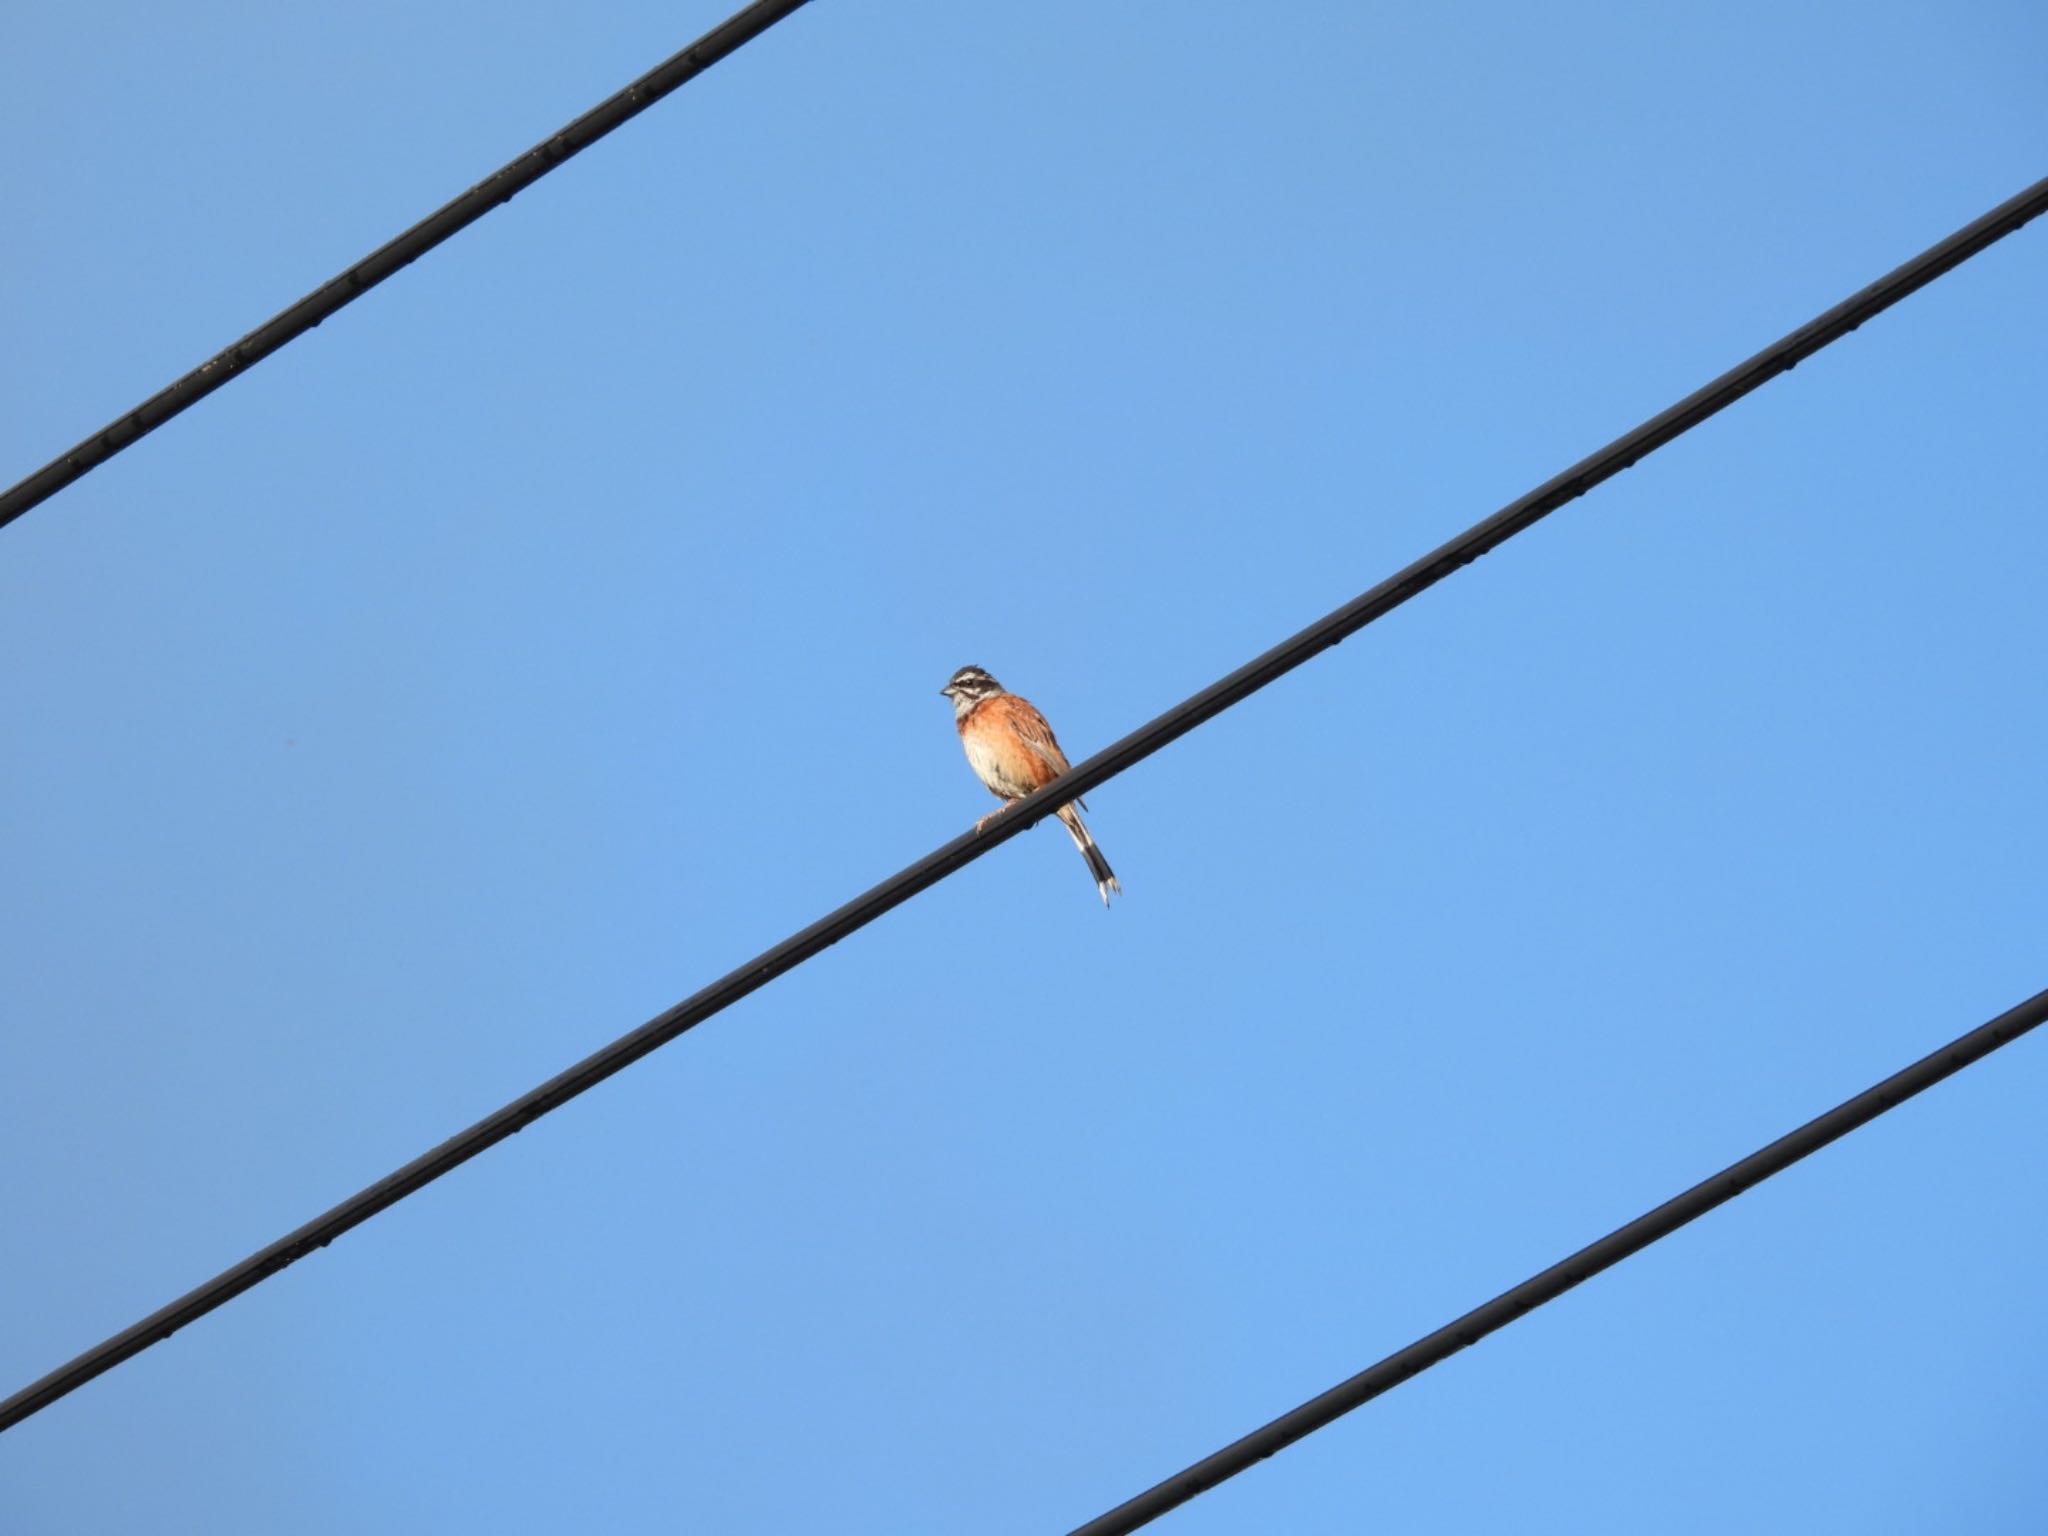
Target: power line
(1106,764)
(500,187)
(1560,1277)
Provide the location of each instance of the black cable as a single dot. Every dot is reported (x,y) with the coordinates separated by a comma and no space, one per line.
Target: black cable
(1112,760)
(1562,1276)
(500,187)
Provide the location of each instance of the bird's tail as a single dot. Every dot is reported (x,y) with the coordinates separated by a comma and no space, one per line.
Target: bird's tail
(1098,866)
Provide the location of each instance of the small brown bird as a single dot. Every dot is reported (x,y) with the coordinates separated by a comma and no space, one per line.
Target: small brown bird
(1011,749)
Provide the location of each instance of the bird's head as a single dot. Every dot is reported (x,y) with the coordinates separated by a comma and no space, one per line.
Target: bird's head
(968,687)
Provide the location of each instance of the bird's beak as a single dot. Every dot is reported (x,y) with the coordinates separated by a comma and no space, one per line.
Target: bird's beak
(945,693)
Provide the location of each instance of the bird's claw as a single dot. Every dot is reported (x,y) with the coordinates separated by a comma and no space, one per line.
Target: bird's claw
(982,825)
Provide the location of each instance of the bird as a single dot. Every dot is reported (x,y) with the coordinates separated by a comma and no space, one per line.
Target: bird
(1012,750)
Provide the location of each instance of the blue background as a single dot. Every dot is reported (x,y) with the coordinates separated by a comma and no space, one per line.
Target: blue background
(564,623)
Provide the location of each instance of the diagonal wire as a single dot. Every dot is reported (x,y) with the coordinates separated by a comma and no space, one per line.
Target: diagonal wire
(450,219)
(1327,631)
(1553,1282)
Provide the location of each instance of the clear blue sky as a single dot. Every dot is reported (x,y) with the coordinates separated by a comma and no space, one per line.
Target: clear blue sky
(564,623)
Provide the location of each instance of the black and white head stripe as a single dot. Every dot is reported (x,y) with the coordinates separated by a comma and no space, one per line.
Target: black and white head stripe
(972,683)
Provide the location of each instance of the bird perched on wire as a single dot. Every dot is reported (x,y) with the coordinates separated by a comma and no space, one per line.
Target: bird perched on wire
(1011,749)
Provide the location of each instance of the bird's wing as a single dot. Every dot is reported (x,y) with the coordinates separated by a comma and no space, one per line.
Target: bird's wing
(1036,733)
